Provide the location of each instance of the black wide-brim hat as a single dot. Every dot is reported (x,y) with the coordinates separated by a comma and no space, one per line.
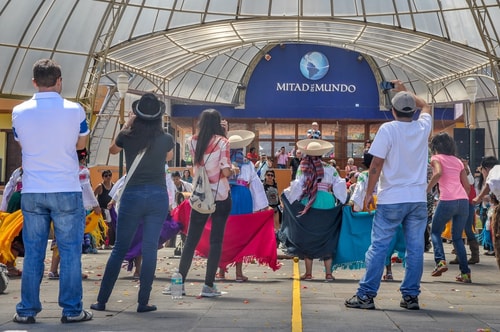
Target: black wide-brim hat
(148,107)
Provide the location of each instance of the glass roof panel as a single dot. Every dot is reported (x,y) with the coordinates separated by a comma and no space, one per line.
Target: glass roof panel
(123,31)
(223,6)
(343,8)
(53,20)
(202,87)
(198,5)
(382,19)
(317,8)
(216,18)
(153,3)
(254,7)
(237,70)
(427,5)
(453,4)
(220,66)
(458,23)
(146,22)
(215,90)
(406,21)
(285,7)
(401,6)
(5,59)
(73,37)
(13,23)
(378,7)
(330,31)
(181,19)
(226,92)
(429,23)
(187,84)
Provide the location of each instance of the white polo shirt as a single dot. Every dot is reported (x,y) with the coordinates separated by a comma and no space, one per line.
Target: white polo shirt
(48,128)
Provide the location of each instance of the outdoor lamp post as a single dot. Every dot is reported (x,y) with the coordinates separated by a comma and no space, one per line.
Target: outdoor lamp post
(122,86)
(471,88)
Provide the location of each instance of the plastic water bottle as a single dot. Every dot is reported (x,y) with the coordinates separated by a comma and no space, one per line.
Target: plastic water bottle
(176,285)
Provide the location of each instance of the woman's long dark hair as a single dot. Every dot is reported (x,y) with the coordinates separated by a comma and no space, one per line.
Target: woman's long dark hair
(443,143)
(208,126)
(145,131)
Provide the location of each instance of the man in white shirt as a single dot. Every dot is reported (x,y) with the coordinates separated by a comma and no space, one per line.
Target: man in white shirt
(399,165)
(49,130)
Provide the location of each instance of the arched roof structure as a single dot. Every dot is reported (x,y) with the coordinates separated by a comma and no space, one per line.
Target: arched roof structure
(202,50)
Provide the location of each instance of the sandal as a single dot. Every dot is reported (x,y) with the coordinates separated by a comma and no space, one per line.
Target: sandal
(53,275)
(388,277)
(329,277)
(220,276)
(241,278)
(306,276)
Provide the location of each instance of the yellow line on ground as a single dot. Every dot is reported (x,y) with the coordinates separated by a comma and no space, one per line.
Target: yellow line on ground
(296,303)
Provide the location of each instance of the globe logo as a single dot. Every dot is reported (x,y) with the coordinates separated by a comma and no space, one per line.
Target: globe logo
(314,65)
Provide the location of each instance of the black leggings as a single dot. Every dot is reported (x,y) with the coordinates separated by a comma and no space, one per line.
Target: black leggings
(196,225)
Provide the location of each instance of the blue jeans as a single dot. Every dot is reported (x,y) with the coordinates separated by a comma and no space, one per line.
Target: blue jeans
(387,218)
(146,204)
(196,225)
(67,212)
(457,211)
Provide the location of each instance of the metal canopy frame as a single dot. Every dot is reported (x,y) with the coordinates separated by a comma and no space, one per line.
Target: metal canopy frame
(202,50)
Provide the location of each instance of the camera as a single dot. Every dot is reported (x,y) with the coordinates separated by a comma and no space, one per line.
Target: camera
(385,85)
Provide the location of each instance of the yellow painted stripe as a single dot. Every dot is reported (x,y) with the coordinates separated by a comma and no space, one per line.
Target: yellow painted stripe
(296,303)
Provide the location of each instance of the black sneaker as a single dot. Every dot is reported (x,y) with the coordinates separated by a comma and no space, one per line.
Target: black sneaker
(82,317)
(409,302)
(24,319)
(360,303)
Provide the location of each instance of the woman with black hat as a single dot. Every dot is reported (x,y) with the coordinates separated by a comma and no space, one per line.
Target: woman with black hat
(144,197)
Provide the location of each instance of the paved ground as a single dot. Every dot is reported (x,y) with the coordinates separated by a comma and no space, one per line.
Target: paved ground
(265,302)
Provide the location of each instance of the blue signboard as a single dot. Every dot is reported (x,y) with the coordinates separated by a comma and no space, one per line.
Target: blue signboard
(312,81)
(307,81)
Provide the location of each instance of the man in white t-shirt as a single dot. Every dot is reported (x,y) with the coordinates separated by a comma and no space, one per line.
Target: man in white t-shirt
(400,166)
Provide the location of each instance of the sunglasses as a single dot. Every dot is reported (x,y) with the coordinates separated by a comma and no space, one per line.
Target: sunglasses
(270,175)
(106,175)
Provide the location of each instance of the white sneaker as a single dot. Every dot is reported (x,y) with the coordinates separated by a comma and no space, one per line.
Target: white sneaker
(168,291)
(208,291)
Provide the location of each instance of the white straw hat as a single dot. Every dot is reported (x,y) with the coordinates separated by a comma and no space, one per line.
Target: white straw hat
(314,147)
(240,138)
